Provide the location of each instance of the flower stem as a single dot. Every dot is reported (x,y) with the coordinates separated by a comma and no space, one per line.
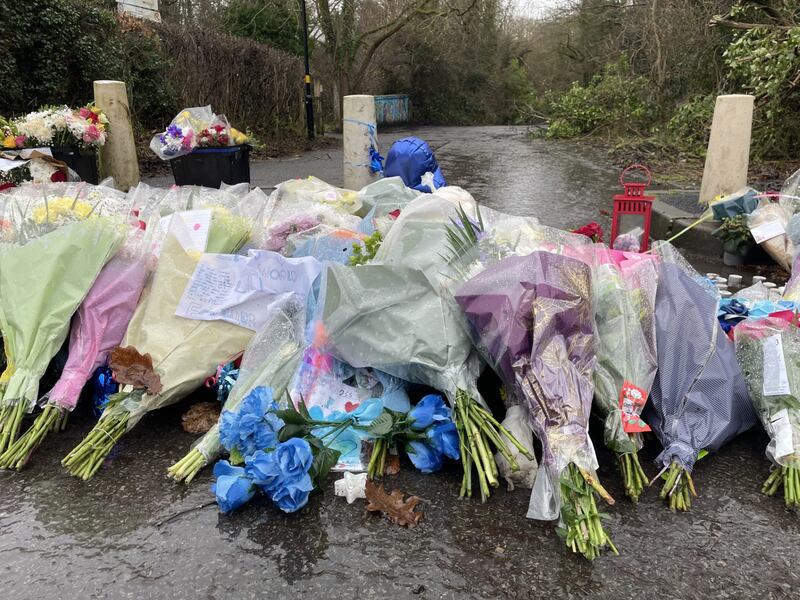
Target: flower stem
(18,454)
(584,529)
(188,467)
(632,474)
(86,458)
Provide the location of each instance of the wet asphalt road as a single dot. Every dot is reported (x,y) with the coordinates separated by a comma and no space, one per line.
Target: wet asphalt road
(124,534)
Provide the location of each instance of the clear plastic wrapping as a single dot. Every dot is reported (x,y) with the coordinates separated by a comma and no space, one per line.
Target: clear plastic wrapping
(57,238)
(532,316)
(768,351)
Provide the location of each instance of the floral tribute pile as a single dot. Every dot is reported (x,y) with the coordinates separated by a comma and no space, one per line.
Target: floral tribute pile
(346,331)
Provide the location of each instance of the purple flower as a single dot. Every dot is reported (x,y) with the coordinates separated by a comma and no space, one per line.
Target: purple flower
(174,131)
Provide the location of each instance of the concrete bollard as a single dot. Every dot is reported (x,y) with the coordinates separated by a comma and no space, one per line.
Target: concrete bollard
(728,153)
(359,132)
(118,155)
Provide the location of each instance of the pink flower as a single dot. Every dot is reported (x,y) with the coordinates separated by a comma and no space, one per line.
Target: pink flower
(20,140)
(85,113)
(91,134)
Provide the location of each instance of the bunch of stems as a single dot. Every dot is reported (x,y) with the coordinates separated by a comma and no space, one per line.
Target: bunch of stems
(86,458)
(632,474)
(478,430)
(584,529)
(678,488)
(188,467)
(377,460)
(789,477)
(52,418)
(11,416)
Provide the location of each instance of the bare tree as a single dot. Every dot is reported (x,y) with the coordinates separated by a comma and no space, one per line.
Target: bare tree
(352,31)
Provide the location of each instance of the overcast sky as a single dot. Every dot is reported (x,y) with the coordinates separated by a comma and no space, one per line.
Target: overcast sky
(535,8)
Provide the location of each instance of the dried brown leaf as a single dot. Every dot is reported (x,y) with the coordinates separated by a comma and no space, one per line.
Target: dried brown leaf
(392,465)
(131,368)
(393,506)
(200,417)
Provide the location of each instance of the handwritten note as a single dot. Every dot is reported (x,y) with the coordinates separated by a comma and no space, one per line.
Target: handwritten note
(239,289)
(191,227)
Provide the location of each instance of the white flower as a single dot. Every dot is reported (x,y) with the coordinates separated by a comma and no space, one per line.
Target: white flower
(40,170)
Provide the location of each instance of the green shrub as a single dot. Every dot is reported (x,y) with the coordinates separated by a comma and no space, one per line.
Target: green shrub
(690,125)
(613,99)
(766,63)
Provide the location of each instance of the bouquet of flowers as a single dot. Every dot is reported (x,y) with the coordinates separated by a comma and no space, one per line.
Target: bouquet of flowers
(180,351)
(270,359)
(89,126)
(282,458)
(54,248)
(624,288)
(46,127)
(97,328)
(532,317)
(699,399)
(216,135)
(427,433)
(192,128)
(57,126)
(591,230)
(12,138)
(420,336)
(768,351)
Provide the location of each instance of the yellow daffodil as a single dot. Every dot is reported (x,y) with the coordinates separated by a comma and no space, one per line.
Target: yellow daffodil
(238,136)
(9,142)
(58,208)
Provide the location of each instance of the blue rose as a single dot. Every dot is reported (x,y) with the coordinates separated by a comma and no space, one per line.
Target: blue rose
(424,457)
(232,487)
(427,411)
(252,426)
(283,473)
(263,468)
(289,462)
(292,495)
(443,436)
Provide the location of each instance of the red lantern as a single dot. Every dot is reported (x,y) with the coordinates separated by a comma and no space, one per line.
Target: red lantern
(633,202)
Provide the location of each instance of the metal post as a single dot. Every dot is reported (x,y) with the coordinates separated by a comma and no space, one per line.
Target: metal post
(309,97)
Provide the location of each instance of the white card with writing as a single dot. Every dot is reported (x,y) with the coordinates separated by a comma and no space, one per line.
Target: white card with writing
(776,380)
(194,234)
(767,231)
(239,289)
(782,433)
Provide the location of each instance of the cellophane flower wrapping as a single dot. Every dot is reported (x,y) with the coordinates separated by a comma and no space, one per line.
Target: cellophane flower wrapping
(184,351)
(183,134)
(54,246)
(699,399)
(768,351)
(300,205)
(624,288)
(270,359)
(532,317)
(102,318)
(779,247)
(393,319)
(395,314)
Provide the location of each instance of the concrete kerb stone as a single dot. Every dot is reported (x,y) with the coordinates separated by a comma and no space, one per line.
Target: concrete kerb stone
(667,220)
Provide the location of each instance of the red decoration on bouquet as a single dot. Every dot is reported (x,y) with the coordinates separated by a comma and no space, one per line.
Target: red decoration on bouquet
(591,230)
